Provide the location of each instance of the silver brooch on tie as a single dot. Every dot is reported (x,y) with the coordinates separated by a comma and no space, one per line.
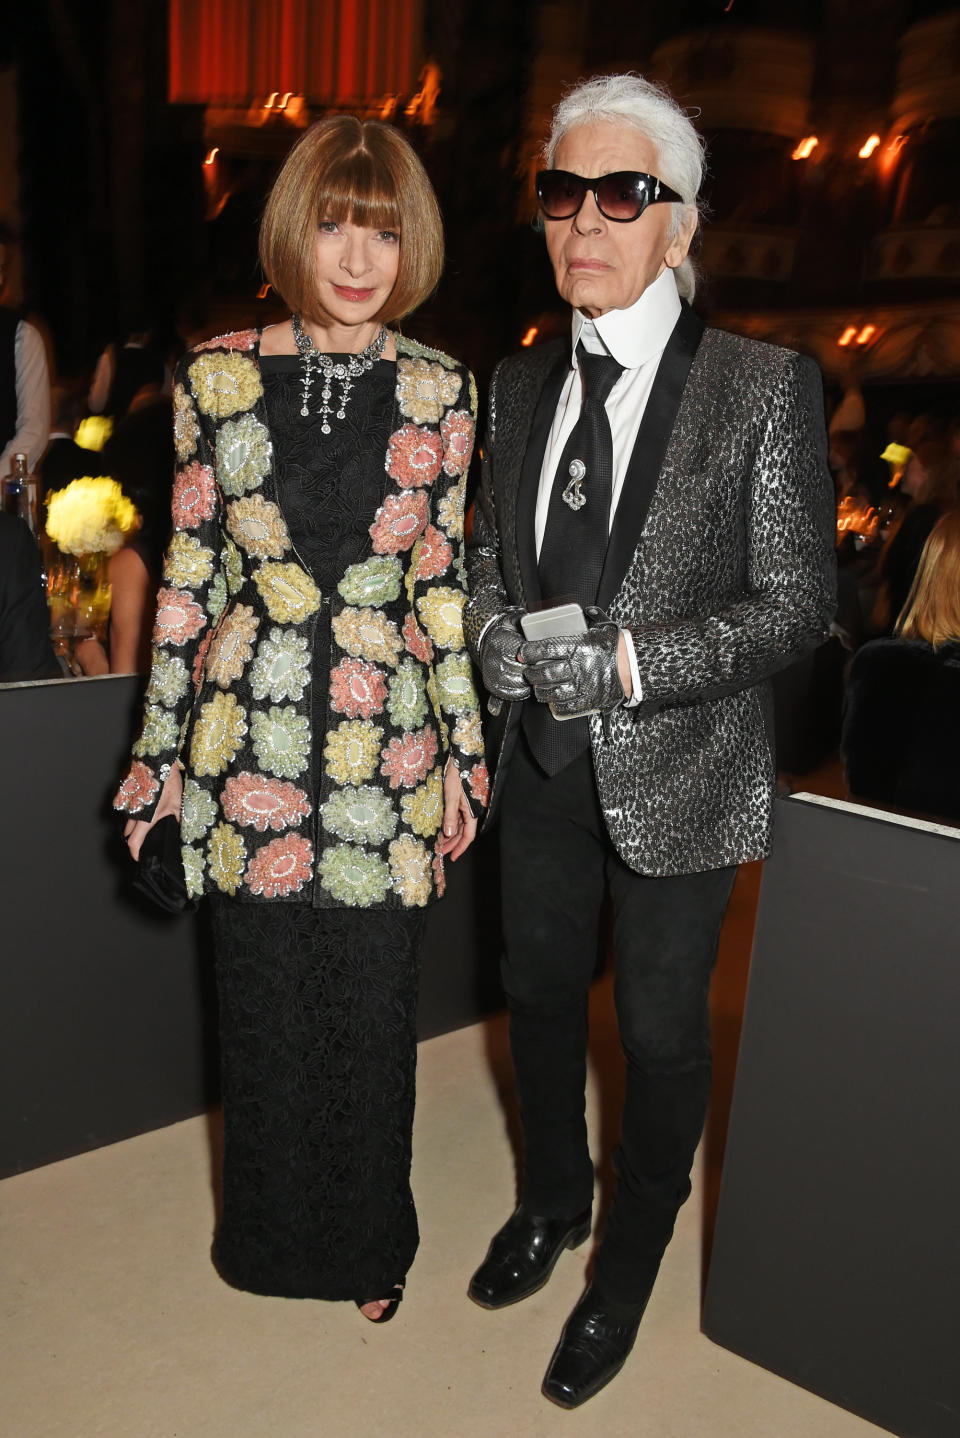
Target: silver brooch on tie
(573,494)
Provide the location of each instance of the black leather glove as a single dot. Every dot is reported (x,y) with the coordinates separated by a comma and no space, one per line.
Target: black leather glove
(576,673)
(500,669)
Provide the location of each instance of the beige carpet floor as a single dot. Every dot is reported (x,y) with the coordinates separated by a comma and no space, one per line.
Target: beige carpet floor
(113,1324)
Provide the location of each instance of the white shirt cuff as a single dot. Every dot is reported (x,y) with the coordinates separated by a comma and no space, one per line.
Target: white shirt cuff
(637,695)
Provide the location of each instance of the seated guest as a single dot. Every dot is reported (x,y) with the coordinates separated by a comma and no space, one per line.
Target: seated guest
(930,484)
(65,460)
(25,648)
(902,712)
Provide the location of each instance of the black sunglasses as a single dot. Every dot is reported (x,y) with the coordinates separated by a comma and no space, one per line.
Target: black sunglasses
(622,196)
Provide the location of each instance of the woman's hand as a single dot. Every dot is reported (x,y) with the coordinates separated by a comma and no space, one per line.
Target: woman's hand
(171,801)
(459,825)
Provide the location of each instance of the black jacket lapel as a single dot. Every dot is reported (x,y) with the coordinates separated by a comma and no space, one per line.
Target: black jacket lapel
(646,461)
(534,450)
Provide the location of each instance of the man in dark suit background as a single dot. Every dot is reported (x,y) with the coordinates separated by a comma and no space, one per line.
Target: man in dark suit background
(25,648)
(672,481)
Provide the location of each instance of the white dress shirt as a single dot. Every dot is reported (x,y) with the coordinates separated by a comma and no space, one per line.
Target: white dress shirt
(33,399)
(636,337)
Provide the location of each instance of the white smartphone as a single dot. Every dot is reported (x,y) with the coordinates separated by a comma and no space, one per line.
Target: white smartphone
(558,620)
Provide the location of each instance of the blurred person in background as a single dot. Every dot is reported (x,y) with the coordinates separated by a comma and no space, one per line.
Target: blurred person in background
(901,720)
(25,648)
(929,484)
(24,377)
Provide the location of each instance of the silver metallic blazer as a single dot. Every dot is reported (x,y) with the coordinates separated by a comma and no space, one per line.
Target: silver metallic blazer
(721,563)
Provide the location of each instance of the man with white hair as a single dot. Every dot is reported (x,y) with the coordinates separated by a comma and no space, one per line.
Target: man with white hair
(661,488)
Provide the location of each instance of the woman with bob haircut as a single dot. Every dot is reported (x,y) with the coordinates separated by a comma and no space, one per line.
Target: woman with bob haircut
(902,711)
(311,715)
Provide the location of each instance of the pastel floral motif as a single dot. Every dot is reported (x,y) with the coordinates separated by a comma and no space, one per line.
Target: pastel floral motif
(192,870)
(179,618)
(217,596)
(141,787)
(258,527)
(367,634)
(186,426)
(169,680)
(232,567)
(198,812)
(357,689)
(188,563)
(225,383)
(194,496)
(200,659)
(281,740)
(441,611)
(232,647)
(455,690)
(414,456)
(217,735)
(281,867)
(407,701)
(439,875)
(399,521)
(433,554)
(407,760)
(352,751)
(281,669)
(425,390)
(354,876)
(227,856)
(362,816)
(244,454)
(411,871)
(159,732)
(467,734)
(261,803)
(288,592)
(456,431)
(450,512)
(423,809)
(434,698)
(479,781)
(238,340)
(416,641)
(376,581)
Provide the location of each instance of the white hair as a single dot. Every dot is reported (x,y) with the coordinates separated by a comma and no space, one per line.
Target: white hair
(632,100)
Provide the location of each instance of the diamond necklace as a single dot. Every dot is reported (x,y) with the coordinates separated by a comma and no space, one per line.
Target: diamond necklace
(331,369)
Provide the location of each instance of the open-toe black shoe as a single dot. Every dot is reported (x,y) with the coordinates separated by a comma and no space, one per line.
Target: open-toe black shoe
(391,1299)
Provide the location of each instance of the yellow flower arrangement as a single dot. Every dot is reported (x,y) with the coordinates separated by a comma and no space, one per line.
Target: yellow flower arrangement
(90,516)
(93,432)
(288,592)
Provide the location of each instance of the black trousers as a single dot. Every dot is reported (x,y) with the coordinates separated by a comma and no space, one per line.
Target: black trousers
(558,865)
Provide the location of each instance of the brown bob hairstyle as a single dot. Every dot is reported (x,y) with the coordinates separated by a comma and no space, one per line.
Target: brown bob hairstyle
(365,173)
(932,610)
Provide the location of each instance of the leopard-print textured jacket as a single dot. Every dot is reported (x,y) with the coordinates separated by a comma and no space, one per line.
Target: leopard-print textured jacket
(730,578)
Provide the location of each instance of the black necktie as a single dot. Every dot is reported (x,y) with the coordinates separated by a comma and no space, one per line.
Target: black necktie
(575,541)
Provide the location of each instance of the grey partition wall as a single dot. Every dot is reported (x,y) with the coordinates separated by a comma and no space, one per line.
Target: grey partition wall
(107,1009)
(836,1260)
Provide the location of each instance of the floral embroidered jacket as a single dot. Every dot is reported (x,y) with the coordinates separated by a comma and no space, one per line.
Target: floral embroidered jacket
(229,689)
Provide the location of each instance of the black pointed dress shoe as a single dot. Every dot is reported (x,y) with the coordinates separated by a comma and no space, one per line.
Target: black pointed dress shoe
(593,1347)
(523,1255)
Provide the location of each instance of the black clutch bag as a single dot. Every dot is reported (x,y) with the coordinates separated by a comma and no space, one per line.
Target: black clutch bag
(159,873)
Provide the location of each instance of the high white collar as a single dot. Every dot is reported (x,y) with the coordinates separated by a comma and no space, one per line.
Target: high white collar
(634,335)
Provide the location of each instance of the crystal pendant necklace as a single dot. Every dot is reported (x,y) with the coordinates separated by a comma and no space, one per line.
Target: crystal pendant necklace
(331,370)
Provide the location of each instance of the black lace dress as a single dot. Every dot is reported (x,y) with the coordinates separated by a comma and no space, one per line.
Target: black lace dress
(318,1006)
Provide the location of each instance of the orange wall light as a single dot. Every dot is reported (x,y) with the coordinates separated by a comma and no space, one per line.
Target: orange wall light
(868,147)
(848,336)
(805,148)
(530,336)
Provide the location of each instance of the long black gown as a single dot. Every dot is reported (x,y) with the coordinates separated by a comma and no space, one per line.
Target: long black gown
(318,1006)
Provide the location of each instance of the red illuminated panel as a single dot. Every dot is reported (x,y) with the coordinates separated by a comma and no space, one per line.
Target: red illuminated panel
(235,51)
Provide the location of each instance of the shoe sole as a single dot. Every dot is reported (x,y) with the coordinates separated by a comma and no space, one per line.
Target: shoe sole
(578,1236)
